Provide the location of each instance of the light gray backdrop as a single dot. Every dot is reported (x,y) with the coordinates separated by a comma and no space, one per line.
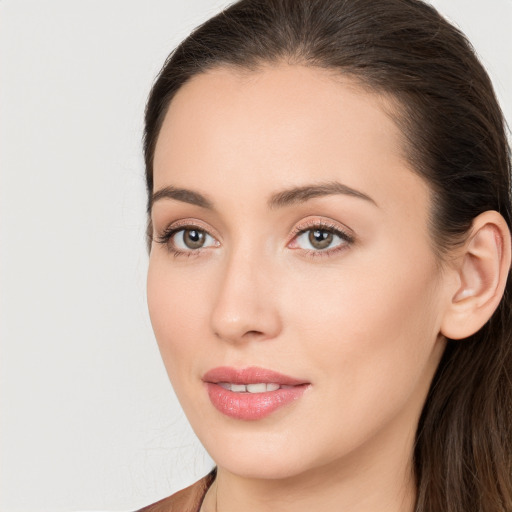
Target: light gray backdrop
(88,420)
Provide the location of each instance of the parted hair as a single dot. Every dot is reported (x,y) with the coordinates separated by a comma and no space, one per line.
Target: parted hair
(455,138)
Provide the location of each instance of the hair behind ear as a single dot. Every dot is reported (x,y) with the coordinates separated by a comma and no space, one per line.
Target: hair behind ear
(463,451)
(464,440)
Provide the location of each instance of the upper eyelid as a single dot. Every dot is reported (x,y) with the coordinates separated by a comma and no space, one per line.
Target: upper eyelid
(323,225)
(327,224)
(181,224)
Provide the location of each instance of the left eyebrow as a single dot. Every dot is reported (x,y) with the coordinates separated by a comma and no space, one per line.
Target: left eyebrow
(307,192)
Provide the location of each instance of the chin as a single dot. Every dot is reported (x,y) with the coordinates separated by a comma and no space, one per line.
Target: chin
(258,456)
(263,469)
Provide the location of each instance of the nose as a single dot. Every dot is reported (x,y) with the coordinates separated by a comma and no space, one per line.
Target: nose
(246,307)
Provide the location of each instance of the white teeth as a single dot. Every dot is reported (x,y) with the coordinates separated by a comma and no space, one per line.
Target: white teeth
(250,388)
(256,388)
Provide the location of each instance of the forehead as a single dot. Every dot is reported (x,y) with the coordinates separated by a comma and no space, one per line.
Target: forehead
(232,105)
(280,126)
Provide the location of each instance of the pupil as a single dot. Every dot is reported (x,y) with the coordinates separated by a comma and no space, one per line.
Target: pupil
(193,238)
(320,239)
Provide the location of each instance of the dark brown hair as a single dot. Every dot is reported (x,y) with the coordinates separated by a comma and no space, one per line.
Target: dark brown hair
(455,139)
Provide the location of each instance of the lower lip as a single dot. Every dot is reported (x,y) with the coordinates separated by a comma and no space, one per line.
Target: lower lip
(252,406)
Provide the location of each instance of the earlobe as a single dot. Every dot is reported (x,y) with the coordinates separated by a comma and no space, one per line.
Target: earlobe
(482,268)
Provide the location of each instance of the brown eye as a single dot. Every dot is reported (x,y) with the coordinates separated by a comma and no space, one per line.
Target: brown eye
(187,239)
(320,238)
(193,238)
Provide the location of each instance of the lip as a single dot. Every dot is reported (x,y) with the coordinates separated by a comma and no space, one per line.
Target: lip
(251,406)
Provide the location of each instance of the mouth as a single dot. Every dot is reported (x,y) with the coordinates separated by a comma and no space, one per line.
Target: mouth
(251,393)
(260,387)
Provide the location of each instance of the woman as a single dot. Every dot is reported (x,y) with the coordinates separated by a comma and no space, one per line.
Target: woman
(329,205)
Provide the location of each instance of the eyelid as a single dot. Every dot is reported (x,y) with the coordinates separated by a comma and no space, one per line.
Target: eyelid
(188,223)
(164,235)
(345,235)
(325,224)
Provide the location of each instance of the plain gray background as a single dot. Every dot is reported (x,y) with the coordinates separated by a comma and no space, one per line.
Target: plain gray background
(88,420)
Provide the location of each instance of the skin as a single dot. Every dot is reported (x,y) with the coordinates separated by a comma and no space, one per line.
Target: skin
(360,320)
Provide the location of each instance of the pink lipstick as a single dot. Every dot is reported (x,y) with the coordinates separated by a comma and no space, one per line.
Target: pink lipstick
(251,393)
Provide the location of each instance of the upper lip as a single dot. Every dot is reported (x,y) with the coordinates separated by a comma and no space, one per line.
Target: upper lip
(250,375)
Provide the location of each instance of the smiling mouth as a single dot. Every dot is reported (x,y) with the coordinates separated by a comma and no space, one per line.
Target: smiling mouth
(251,393)
(261,387)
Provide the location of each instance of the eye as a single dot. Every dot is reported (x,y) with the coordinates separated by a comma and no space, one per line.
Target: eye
(186,239)
(317,239)
(320,238)
(191,238)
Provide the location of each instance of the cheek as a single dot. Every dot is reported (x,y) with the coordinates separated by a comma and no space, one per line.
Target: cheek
(176,303)
(367,341)
(372,328)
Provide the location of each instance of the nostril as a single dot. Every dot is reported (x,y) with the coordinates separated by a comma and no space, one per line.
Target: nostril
(247,335)
(253,333)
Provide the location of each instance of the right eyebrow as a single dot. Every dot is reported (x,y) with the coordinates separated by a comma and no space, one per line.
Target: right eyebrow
(181,194)
(306,192)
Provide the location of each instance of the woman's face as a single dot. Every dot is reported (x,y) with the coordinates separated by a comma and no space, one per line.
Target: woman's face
(291,236)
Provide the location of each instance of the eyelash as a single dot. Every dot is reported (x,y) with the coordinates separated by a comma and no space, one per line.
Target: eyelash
(347,239)
(170,231)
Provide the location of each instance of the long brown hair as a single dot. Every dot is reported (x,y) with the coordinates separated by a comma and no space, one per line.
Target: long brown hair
(455,138)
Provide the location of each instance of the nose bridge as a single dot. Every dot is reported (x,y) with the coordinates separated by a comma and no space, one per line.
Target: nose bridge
(244,308)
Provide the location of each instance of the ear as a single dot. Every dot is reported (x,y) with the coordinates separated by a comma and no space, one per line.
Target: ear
(482,269)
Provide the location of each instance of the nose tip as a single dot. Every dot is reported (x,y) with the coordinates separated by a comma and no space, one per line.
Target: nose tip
(240,329)
(245,309)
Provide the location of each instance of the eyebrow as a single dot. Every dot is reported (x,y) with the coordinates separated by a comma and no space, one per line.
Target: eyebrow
(278,200)
(307,192)
(181,194)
